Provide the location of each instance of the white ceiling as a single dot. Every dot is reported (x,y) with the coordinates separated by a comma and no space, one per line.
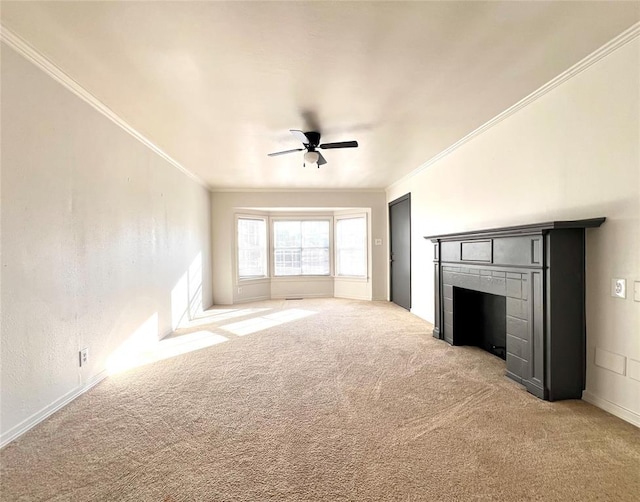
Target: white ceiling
(217,85)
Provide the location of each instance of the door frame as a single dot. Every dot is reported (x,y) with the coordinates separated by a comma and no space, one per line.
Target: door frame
(402,198)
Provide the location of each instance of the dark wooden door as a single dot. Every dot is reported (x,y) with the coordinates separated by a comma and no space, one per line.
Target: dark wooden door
(400,250)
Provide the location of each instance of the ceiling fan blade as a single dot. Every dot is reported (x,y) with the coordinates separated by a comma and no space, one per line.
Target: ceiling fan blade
(340,144)
(300,136)
(321,160)
(285,151)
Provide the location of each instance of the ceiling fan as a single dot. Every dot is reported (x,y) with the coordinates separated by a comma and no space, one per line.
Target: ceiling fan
(311,142)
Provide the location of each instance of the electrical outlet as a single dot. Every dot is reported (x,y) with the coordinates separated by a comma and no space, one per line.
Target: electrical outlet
(239,291)
(377,242)
(619,288)
(84,357)
(636,291)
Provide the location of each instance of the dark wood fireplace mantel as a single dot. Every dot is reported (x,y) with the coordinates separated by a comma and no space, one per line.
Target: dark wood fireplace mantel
(540,270)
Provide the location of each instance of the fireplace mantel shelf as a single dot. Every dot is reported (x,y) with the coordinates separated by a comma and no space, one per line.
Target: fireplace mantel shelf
(540,271)
(520,229)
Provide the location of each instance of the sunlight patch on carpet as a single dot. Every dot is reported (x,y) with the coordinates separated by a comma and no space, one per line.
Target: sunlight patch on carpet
(212,316)
(130,356)
(256,324)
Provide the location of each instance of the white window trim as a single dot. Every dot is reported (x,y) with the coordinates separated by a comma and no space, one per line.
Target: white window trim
(300,217)
(270,217)
(350,216)
(302,278)
(253,279)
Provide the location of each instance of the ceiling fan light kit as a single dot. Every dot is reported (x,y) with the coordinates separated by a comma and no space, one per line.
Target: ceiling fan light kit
(311,142)
(311,157)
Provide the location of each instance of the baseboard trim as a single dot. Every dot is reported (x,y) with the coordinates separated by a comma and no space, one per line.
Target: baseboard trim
(365,298)
(251,299)
(39,416)
(284,297)
(619,411)
(303,295)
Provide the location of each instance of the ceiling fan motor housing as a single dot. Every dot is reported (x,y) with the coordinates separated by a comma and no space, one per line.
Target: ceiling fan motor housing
(313,137)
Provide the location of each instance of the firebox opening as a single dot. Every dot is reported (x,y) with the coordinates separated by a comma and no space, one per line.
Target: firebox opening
(480,319)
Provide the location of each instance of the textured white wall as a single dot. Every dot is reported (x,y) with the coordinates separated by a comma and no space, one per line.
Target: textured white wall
(573,153)
(225,204)
(98,233)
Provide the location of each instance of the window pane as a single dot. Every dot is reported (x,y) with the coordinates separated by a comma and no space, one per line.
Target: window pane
(351,247)
(315,234)
(301,247)
(287,234)
(287,262)
(315,261)
(252,248)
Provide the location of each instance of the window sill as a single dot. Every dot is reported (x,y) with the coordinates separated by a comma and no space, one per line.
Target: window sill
(301,278)
(254,280)
(351,278)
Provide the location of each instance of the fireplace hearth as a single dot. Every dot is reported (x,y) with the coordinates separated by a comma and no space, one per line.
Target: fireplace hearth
(518,292)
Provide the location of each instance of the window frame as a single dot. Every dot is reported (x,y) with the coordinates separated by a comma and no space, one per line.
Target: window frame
(254,278)
(352,216)
(269,218)
(300,217)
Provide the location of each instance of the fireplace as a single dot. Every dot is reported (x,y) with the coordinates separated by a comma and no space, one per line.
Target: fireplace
(519,293)
(480,319)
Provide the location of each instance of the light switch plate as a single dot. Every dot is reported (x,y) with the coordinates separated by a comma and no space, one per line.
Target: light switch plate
(619,288)
(636,291)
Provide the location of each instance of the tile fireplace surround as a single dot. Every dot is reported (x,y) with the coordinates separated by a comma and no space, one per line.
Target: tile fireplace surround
(540,271)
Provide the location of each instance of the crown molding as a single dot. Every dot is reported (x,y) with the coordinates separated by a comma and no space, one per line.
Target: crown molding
(624,38)
(296,190)
(37,58)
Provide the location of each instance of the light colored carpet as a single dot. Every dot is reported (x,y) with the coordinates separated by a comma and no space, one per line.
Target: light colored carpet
(322,400)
